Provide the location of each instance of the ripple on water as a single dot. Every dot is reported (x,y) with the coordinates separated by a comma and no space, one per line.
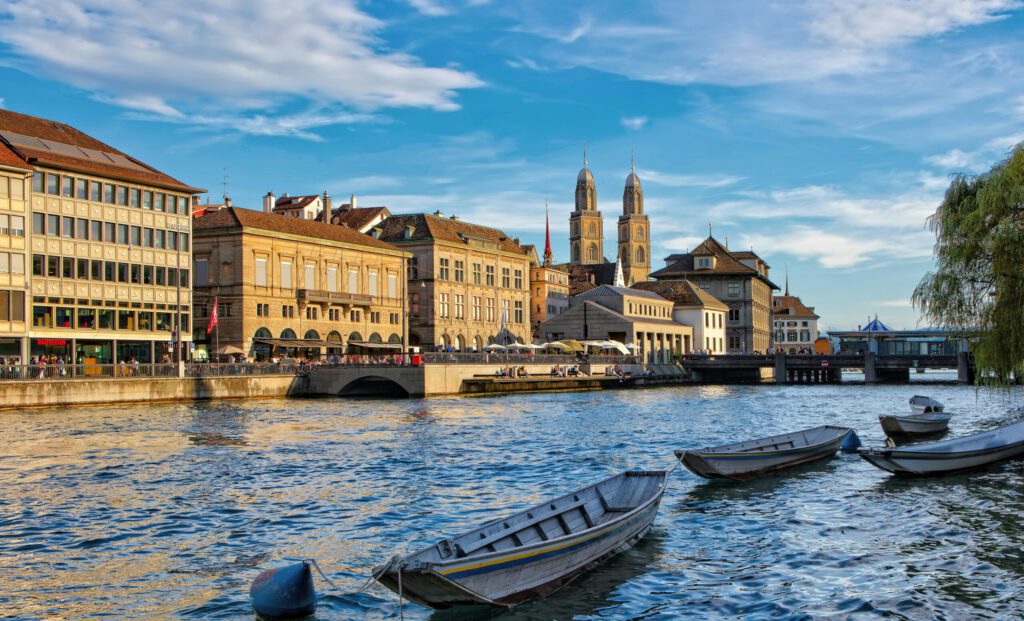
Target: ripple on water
(170,511)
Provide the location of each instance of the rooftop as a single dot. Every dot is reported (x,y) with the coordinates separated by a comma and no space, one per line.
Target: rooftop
(682,292)
(791,306)
(427,227)
(236,218)
(609,290)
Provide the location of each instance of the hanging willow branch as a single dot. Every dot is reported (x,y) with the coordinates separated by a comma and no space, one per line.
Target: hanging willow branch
(978,285)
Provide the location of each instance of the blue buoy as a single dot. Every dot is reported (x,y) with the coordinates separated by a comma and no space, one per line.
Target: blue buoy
(850,442)
(284,593)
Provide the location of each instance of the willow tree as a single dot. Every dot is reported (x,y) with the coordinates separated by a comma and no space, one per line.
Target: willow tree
(977,287)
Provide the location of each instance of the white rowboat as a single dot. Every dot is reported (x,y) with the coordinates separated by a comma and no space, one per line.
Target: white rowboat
(753,458)
(534,552)
(948,456)
(915,424)
(924,405)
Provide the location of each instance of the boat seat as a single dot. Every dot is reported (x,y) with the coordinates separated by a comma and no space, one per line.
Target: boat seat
(534,521)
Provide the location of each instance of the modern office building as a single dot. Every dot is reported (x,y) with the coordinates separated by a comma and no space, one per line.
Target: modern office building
(106,238)
(289,286)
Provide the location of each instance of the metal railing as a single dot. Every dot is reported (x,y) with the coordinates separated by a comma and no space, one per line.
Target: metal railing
(35,372)
(228,369)
(520,358)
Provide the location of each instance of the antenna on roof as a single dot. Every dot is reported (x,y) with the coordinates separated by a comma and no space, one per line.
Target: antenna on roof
(787,279)
(226,177)
(584,155)
(709,229)
(632,161)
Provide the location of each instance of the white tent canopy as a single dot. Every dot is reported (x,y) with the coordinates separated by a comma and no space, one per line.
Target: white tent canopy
(494,346)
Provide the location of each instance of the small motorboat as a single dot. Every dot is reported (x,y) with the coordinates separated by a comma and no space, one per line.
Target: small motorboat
(924,405)
(948,456)
(531,553)
(915,424)
(754,458)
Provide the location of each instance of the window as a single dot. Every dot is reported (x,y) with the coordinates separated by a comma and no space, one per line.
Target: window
(108,232)
(147,238)
(791,335)
(519,279)
(108,193)
(734,314)
(97,231)
(147,200)
(38,182)
(286,274)
(68,228)
(261,272)
(519,311)
(310,276)
(414,268)
(373,290)
(136,236)
(172,240)
(392,286)
(734,342)
(504,311)
(125,320)
(67,267)
(63,317)
(158,201)
(311,312)
(52,225)
(506,279)
(38,223)
(52,183)
(135,198)
(82,189)
(122,195)
(122,234)
(147,274)
(202,272)
(96,270)
(704,263)
(460,271)
(490,310)
(42,317)
(476,308)
(5,263)
(707,320)
(460,306)
(442,308)
(95,191)
(38,265)
(353,280)
(109,271)
(443,272)
(734,289)
(490,276)
(136,275)
(161,276)
(83,269)
(476,273)
(183,242)
(262,310)
(332,279)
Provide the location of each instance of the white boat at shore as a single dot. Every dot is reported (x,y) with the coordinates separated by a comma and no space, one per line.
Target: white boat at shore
(533,552)
(753,458)
(915,424)
(954,455)
(925,405)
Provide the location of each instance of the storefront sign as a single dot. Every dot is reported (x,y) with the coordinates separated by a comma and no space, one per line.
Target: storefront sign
(52,342)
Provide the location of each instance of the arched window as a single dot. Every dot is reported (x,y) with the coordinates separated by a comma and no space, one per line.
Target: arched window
(592,252)
(478,343)
(375,338)
(640,256)
(394,339)
(355,336)
(639,232)
(576,253)
(312,334)
(263,333)
(288,333)
(593,199)
(592,229)
(575,227)
(261,351)
(460,343)
(335,339)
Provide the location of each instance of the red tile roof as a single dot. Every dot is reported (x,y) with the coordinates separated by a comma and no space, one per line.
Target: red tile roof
(791,306)
(726,263)
(10,158)
(682,292)
(432,227)
(235,218)
(357,218)
(289,203)
(43,142)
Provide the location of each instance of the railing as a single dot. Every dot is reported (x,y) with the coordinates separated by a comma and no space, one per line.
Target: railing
(520,358)
(30,372)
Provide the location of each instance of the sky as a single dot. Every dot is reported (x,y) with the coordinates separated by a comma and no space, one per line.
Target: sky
(820,133)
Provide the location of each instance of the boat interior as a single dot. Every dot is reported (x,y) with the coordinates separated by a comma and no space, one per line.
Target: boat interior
(568,515)
(786,441)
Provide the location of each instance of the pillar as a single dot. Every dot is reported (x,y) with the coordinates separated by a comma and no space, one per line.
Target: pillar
(870,374)
(963,368)
(780,368)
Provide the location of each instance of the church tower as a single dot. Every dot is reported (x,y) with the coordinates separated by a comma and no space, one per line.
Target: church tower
(634,232)
(586,226)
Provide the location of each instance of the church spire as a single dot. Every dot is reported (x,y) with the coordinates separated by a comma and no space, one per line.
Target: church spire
(619,281)
(547,237)
(787,280)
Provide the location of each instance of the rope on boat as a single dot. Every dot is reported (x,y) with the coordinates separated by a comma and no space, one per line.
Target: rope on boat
(401,608)
(316,565)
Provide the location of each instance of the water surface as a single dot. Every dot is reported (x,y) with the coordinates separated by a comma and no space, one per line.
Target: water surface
(169,511)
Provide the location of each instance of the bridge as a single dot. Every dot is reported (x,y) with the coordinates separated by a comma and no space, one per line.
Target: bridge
(814,369)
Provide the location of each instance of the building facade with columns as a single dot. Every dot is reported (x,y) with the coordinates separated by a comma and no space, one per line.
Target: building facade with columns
(630,316)
(96,254)
(468,284)
(288,286)
(696,308)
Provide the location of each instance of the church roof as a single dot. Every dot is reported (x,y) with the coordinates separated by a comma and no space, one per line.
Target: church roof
(585,176)
(632,181)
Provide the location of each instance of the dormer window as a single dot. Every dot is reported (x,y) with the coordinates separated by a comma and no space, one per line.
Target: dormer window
(409,230)
(705,263)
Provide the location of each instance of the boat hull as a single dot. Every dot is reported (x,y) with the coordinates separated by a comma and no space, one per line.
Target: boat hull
(914,425)
(918,463)
(741,466)
(519,575)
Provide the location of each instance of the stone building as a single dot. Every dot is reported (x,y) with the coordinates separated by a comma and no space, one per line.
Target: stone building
(297,287)
(739,280)
(588,266)
(630,316)
(109,244)
(696,308)
(796,325)
(468,284)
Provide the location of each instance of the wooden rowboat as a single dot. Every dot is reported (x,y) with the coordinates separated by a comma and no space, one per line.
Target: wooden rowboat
(534,552)
(948,456)
(754,458)
(924,405)
(915,424)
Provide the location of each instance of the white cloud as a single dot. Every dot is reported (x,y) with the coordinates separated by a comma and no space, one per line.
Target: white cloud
(896,303)
(229,61)
(697,181)
(954,159)
(634,122)
(365,184)
(429,7)
(1,102)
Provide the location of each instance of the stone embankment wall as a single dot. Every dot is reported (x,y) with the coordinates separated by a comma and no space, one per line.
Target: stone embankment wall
(52,393)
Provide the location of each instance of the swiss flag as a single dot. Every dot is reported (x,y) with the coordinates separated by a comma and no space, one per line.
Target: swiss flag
(213,318)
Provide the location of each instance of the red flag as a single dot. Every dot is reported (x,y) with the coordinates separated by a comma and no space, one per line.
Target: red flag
(213,318)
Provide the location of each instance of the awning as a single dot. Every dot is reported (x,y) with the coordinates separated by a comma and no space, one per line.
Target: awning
(368,345)
(301,343)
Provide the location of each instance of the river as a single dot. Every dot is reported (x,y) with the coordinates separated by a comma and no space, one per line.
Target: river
(169,511)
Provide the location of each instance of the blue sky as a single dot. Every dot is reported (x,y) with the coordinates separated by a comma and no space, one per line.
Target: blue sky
(820,133)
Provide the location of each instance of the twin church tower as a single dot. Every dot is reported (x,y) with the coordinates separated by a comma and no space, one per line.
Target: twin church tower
(586,227)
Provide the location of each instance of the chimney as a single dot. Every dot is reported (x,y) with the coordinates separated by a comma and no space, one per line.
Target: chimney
(455,217)
(439,214)
(227,201)
(327,208)
(352,202)
(195,200)
(268,203)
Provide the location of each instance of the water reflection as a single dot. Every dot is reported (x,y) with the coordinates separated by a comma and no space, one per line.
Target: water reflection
(170,510)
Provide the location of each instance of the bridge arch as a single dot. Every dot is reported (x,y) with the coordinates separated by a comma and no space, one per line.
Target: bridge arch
(374,386)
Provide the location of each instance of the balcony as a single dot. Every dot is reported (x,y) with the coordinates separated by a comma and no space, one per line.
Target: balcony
(332,297)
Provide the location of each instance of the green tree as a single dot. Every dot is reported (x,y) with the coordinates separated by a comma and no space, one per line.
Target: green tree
(978,284)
